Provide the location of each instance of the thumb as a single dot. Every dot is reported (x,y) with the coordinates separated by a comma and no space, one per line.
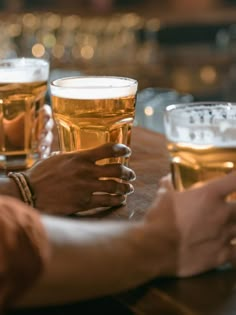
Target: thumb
(164,200)
(165,183)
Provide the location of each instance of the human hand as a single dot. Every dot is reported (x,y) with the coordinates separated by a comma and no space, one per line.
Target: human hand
(195,227)
(68,183)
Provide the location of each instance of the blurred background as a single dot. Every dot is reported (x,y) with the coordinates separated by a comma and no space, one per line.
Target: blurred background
(184,45)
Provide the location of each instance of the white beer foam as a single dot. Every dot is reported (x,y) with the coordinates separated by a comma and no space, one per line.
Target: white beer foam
(203,125)
(203,137)
(93,87)
(23,70)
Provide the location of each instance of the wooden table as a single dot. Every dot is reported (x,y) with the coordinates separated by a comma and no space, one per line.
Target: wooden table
(212,293)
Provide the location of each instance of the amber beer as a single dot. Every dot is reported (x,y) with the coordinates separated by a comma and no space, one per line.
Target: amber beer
(23,83)
(201,141)
(191,165)
(90,111)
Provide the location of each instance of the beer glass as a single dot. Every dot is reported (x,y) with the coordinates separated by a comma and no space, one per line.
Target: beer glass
(201,141)
(23,83)
(93,110)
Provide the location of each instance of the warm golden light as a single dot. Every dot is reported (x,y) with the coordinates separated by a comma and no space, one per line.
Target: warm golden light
(71,22)
(29,20)
(49,40)
(208,74)
(148,110)
(130,20)
(182,79)
(38,50)
(14,30)
(58,51)
(228,164)
(53,21)
(87,52)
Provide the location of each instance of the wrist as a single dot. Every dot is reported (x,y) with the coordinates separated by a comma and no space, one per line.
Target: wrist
(25,189)
(11,189)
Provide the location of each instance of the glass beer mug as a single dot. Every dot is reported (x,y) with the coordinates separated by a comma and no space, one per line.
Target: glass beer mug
(93,110)
(201,141)
(23,84)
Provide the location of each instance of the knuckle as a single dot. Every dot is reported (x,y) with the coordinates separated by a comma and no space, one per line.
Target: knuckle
(120,188)
(112,186)
(117,200)
(86,200)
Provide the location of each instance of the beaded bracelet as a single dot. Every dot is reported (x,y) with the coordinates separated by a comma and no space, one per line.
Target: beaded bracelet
(24,187)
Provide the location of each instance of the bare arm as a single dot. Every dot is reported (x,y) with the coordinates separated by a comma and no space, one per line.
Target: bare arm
(182,234)
(89,260)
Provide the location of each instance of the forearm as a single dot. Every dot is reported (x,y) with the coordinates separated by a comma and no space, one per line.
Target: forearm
(24,249)
(89,260)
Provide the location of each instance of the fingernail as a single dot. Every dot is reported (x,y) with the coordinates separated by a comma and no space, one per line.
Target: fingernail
(129,152)
(132,176)
(123,203)
(131,189)
(119,147)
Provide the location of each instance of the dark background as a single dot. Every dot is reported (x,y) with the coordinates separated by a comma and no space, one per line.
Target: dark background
(186,45)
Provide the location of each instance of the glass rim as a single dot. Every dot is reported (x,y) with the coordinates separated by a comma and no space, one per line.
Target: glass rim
(130,82)
(178,106)
(203,123)
(176,109)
